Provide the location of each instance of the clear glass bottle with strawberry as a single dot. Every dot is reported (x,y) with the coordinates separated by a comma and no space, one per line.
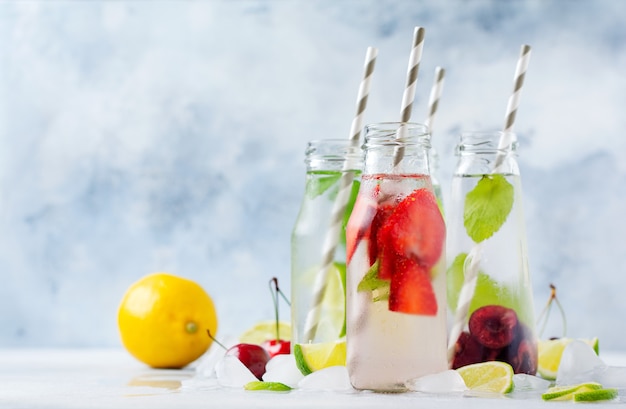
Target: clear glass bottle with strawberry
(489,287)
(395,245)
(326,161)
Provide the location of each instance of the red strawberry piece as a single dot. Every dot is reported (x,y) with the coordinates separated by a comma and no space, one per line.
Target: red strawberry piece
(358,227)
(376,240)
(493,325)
(411,291)
(418,229)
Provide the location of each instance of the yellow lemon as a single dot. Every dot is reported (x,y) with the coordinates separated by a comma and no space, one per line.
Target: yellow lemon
(163,320)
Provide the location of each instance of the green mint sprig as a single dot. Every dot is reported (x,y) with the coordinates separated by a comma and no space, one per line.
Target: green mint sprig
(487,207)
(371,282)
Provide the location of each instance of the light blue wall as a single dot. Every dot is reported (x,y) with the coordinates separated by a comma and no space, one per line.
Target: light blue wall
(169,135)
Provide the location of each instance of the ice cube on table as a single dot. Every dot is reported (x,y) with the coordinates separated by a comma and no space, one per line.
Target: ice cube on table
(579,363)
(333,378)
(232,373)
(612,377)
(443,382)
(524,382)
(282,368)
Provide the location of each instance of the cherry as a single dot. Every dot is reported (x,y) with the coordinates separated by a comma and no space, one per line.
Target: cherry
(274,347)
(253,356)
(493,326)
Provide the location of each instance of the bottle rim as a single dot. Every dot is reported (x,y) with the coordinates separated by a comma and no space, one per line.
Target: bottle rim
(486,142)
(385,134)
(332,149)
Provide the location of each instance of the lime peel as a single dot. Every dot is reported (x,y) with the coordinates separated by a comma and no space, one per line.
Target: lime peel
(267,386)
(560,393)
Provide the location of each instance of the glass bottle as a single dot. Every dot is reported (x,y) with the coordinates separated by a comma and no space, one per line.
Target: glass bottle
(396,314)
(326,161)
(487,253)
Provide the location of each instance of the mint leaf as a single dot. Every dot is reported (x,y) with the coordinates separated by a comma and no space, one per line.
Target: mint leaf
(370,281)
(487,207)
(321,182)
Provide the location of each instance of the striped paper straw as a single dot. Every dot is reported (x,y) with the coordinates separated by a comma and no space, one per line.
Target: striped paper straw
(472,262)
(339,206)
(409,90)
(513,104)
(435,95)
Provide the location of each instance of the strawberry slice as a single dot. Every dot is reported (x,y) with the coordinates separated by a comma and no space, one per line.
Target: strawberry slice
(411,291)
(358,227)
(417,228)
(377,240)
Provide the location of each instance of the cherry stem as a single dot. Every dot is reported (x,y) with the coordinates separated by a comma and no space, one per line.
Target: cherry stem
(274,291)
(208,331)
(546,312)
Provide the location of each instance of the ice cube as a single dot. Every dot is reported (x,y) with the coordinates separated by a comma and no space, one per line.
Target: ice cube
(282,368)
(443,382)
(579,363)
(333,378)
(612,377)
(231,372)
(198,383)
(533,383)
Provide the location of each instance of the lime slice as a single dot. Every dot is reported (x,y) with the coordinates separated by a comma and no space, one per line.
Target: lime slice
(599,394)
(266,330)
(567,392)
(313,357)
(493,376)
(332,315)
(266,386)
(550,352)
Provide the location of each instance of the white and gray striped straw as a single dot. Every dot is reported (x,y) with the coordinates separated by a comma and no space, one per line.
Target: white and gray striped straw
(435,96)
(408,96)
(513,104)
(472,262)
(339,206)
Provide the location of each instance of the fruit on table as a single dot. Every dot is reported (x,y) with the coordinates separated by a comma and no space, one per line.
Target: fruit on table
(265,330)
(277,347)
(494,377)
(583,392)
(162,320)
(550,352)
(253,356)
(495,334)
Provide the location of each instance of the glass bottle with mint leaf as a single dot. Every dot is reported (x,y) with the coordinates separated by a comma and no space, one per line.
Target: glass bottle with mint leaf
(326,160)
(487,240)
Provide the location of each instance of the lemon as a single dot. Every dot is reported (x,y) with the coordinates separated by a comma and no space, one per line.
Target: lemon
(492,376)
(264,331)
(163,320)
(313,357)
(567,392)
(550,352)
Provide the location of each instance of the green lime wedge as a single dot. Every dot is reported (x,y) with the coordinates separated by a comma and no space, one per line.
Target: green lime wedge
(566,392)
(598,394)
(266,386)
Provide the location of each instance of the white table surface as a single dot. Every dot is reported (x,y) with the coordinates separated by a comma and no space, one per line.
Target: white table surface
(110,378)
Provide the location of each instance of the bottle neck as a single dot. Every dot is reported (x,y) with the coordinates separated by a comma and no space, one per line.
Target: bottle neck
(396,148)
(332,155)
(483,153)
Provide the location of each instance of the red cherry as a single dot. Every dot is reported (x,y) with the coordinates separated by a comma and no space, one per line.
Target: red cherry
(274,347)
(253,356)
